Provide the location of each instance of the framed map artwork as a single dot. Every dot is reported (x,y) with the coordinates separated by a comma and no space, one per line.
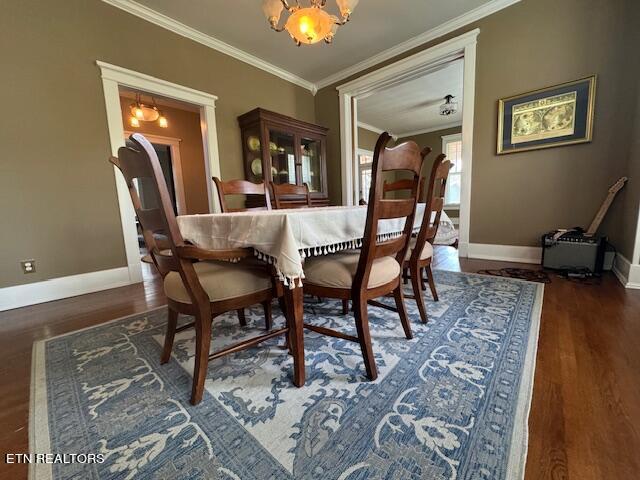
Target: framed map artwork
(549,117)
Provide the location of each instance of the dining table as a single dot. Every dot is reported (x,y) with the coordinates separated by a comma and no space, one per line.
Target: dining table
(284,238)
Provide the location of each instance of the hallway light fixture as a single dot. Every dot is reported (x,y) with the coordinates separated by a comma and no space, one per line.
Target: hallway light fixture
(449,107)
(311,24)
(141,112)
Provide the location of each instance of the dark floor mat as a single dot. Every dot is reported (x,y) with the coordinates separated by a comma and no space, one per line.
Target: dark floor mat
(539,276)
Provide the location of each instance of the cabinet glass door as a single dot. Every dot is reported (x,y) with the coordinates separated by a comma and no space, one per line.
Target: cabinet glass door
(283,157)
(253,154)
(311,163)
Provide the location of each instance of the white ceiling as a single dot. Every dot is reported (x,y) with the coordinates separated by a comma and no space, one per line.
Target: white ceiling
(414,106)
(375,27)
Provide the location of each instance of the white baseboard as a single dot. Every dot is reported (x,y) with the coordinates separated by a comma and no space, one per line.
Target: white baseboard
(505,253)
(64,287)
(627,273)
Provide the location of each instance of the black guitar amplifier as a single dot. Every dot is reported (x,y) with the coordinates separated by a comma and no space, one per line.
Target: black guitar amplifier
(572,250)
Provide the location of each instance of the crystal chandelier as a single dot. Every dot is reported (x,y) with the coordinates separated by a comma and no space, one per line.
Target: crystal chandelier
(449,107)
(311,24)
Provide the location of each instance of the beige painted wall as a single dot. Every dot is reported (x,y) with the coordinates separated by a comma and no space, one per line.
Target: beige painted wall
(185,126)
(367,139)
(522,48)
(57,191)
(622,221)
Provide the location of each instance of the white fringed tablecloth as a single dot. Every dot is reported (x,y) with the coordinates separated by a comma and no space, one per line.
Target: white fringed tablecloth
(285,237)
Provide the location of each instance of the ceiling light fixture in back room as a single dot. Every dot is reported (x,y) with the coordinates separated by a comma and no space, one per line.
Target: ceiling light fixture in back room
(141,112)
(449,107)
(310,24)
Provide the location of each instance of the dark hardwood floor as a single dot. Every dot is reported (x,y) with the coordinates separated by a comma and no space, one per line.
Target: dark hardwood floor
(585,416)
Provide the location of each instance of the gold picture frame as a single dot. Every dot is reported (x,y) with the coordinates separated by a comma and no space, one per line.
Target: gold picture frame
(548,117)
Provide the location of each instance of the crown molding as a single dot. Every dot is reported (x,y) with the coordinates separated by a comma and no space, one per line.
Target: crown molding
(377,130)
(150,15)
(430,129)
(371,128)
(164,21)
(436,32)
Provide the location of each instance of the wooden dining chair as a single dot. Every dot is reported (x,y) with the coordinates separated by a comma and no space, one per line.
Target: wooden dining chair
(287,195)
(417,261)
(257,191)
(393,186)
(198,282)
(375,270)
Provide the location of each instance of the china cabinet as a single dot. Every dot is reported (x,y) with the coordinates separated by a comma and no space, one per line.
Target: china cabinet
(285,150)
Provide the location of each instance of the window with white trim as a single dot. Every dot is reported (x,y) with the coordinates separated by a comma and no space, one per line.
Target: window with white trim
(452,148)
(365,162)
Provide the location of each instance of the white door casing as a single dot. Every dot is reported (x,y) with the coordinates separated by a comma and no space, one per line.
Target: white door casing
(414,66)
(114,76)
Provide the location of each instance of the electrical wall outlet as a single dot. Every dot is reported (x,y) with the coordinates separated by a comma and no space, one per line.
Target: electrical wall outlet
(28,266)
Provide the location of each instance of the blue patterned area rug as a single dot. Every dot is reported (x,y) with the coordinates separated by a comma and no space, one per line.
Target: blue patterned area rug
(450,404)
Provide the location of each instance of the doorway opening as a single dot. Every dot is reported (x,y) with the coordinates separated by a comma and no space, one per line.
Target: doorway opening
(407,100)
(173,129)
(116,81)
(427,110)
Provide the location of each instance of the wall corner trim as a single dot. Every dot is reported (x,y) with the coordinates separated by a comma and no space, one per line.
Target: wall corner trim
(63,287)
(168,23)
(628,273)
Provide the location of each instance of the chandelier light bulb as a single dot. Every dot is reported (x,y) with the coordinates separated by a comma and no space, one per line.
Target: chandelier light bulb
(346,7)
(309,25)
(162,121)
(139,113)
(272,10)
(134,122)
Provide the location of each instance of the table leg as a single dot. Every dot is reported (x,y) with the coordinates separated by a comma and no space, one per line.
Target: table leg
(294,306)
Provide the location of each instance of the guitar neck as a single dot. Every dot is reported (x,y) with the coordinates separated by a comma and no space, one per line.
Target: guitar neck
(615,188)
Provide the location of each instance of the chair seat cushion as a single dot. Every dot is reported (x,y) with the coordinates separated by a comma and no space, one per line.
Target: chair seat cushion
(427,251)
(220,280)
(339,269)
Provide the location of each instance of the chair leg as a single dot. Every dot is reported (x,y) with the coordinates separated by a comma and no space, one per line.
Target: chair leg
(423,279)
(402,311)
(345,306)
(203,343)
(416,282)
(283,307)
(362,325)
(169,336)
(241,317)
(432,284)
(267,314)
(405,276)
